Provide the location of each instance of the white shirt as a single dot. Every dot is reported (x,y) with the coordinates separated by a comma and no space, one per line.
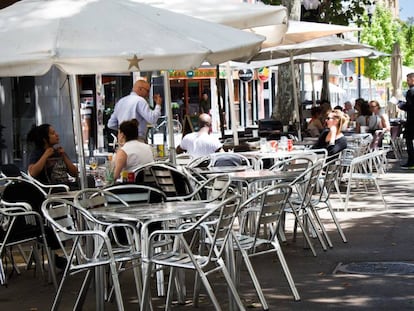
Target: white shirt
(200,144)
(138,154)
(131,107)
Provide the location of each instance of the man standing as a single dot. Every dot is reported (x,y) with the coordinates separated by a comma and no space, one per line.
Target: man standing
(205,105)
(135,106)
(408,107)
(200,143)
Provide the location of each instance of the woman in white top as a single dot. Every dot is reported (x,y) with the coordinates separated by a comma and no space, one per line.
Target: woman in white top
(132,153)
(379,119)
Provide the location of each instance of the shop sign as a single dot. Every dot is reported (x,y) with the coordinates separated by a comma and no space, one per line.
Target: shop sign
(193,74)
(263,74)
(246,75)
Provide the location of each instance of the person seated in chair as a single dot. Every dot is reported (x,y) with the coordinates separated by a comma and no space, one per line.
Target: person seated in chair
(132,152)
(48,162)
(200,143)
(332,139)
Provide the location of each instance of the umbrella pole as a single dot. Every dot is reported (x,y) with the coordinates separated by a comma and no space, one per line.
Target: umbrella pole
(313,84)
(295,96)
(232,108)
(74,94)
(168,109)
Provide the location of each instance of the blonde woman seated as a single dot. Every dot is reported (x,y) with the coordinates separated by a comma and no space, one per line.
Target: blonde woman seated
(132,153)
(332,139)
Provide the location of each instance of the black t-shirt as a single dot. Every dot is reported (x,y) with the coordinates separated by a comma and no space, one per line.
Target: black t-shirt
(340,143)
(54,171)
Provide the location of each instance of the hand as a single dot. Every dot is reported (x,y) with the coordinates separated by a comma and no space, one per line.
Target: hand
(60,150)
(49,152)
(158,99)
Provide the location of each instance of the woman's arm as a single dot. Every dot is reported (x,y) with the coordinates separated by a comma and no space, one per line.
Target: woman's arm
(72,169)
(120,162)
(36,168)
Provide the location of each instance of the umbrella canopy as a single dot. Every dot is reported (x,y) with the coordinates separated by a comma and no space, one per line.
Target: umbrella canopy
(267,20)
(107,36)
(324,44)
(104,36)
(299,31)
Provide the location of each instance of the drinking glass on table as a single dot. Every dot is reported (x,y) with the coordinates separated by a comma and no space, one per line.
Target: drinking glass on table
(93,163)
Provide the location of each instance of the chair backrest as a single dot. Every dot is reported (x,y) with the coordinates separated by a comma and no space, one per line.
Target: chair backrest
(307,182)
(218,230)
(23,190)
(72,223)
(132,193)
(92,198)
(170,180)
(267,209)
(297,164)
(330,173)
(212,189)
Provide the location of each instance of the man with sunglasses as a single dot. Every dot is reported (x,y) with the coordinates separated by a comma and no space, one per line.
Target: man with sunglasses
(135,106)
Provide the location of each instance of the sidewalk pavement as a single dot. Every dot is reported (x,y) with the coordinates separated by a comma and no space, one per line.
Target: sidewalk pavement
(374,235)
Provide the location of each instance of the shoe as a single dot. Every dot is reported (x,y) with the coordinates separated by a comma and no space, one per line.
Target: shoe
(407,166)
(60,262)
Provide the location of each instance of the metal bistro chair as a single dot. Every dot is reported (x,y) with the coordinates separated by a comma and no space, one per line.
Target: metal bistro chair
(299,203)
(21,225)
(327,181)
(23,196)
(185,255)
(89,244)
(362,171)
(132,193)
(260,220)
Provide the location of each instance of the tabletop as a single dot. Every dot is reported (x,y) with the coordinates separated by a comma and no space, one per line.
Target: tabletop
(143,212)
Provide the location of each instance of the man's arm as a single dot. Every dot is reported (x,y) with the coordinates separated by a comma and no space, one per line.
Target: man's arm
(149,115)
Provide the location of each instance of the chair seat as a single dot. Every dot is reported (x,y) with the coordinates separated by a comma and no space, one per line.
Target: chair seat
(179,260)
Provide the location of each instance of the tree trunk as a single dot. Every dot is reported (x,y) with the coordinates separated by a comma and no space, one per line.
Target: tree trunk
(325,94)
(283,108)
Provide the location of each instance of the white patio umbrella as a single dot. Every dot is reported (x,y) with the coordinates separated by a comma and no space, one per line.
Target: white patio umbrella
(270,21)
(323,44)
(106,36)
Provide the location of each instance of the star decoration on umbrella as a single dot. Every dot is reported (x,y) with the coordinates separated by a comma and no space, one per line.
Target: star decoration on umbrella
(133,62)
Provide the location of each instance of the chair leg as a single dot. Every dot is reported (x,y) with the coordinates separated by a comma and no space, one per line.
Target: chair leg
(117,286)
(335,219)
(255,281)
(146,293)
(304,231)
(170,288)
(321,226)
(230,283)
(286,269)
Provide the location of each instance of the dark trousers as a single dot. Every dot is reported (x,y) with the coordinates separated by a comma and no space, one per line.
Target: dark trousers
(410,147)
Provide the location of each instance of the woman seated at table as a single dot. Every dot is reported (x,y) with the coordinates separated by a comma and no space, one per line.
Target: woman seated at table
(315,125)
(48,162)
(132,152)
(379,119)
(332,139)
(363,118)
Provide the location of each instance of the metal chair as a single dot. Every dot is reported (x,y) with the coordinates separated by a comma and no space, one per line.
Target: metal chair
(89,244)
(362,171)
(12,170)
(171,180)
(132,193)
(185,256)
(299,203)
(260,220)
(21,225)
(327,181)
(21,196)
